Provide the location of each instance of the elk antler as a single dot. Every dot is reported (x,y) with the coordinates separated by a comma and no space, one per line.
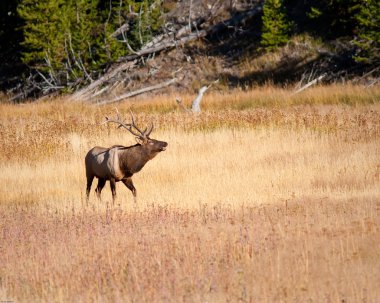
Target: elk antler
(150,129)
(146,131)
(129,126)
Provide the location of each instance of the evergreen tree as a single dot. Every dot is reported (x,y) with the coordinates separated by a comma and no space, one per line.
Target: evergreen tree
(276,26)
(83,38)
(43,33)
(10,36)
(70,41)
(114,47)
(11,66)
(331,18)
(368,39)
(144,19)
(58,37)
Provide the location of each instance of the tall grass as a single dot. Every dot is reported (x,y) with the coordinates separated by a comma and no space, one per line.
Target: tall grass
(277,202)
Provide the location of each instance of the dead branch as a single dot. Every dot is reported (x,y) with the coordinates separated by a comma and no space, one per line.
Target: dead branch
(138,92)
(367,74)
(373,82)
(307,85)
(164,42)
(81,94)
(236,20)
(169,42)
(120,31)
(78,61)
(195,105)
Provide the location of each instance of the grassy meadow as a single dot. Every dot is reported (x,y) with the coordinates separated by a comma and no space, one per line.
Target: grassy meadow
(265,196)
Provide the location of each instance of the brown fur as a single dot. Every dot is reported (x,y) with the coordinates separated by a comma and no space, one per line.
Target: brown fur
(119,163)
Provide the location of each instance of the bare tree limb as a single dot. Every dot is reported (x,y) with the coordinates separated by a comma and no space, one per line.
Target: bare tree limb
(170,42)
(195,106)
(238,19)
(307,85)
(121,30)
(78,62)
(373,82)
(138,92)
(368,74)
(190,9)
(164,42)
(88,89)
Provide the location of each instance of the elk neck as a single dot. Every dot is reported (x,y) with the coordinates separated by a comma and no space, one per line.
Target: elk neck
(133,159)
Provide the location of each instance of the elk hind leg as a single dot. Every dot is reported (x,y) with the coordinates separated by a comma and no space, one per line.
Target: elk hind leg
(113,190)
(128,183)
(100,186)
(90,178)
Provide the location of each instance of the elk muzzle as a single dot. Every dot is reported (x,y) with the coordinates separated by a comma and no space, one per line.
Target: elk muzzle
(162,145)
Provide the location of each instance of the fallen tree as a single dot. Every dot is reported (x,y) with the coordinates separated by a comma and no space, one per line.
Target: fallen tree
(196,104)
(88,91)
(195,30)
(137,92)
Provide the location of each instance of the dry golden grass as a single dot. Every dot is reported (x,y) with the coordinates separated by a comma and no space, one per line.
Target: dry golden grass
(278,202)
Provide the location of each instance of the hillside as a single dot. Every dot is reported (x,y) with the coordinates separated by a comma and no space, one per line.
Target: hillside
(195,43)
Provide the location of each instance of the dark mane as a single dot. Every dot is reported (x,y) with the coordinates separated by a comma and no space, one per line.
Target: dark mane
(122,147)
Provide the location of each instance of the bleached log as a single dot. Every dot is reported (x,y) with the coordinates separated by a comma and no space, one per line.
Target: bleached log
(138,92)
(195,105)
(373,82)
(166,44)
(81,94)
(170,42)
(307,85)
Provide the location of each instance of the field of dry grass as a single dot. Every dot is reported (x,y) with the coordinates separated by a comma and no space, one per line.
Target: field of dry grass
(264,197)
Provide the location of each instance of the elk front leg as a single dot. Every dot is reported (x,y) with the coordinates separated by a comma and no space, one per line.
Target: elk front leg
(128,183)
(113,190)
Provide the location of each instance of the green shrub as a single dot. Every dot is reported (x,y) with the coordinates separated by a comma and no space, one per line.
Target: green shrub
(276,26)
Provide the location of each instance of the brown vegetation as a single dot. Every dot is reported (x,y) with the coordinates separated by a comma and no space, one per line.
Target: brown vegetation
(266,196)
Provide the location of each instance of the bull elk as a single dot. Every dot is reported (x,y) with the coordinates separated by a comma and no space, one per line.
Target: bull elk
(120,163)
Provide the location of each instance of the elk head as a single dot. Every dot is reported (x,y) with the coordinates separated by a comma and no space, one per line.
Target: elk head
(151,146)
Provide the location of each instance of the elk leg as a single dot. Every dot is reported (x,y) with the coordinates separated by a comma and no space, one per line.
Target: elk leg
(100,186)
(113,190)
(128,183)
(88,188)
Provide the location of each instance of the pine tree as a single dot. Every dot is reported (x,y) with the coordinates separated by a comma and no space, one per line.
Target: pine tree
(83,38)
(43,34)
(70,41)
(276,26)
(144,19)
(113,19)
(58,38)
(331,18)
(368,39)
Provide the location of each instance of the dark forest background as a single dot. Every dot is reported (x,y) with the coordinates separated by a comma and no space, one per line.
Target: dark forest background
(63,45)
